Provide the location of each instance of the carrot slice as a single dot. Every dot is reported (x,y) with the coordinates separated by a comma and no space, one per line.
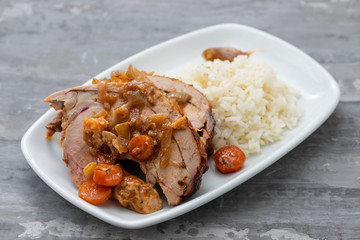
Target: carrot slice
(107,174)
(94,193)
(141,147)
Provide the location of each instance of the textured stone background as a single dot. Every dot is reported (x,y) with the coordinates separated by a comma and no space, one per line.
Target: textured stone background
(311,193)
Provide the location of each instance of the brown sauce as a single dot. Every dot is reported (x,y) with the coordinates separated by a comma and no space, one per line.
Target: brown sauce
(112,129)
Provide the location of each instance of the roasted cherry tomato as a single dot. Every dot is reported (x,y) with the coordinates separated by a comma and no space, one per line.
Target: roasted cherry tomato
(229,159)
(141,147)
(94,193)
(107,174)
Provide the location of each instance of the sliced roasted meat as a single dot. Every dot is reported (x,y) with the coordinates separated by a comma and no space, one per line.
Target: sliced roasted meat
(76,105)
(196,107)
(54,125)
(111,113)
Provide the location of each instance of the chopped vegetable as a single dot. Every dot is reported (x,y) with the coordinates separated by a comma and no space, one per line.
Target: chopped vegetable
(123,130)
(95,124)
(107,174)
(132,72)
(102,92)
(179,123)
(89,170)
(158,119)
(229,159)
(121,147)
(179,97)
(141,147)
(165,146)
(120,115)
(94,193)
(119,76)
(103,113)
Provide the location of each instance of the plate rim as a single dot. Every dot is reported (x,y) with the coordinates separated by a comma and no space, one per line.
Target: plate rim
(209,196)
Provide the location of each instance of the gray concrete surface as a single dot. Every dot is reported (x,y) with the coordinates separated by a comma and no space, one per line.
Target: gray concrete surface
(311,193)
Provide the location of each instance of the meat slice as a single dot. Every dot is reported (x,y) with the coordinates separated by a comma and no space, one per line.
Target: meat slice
(54,125)
(180,178)
(197,109)
(75,105)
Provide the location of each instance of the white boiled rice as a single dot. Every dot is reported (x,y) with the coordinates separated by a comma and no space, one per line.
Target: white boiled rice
(251,107)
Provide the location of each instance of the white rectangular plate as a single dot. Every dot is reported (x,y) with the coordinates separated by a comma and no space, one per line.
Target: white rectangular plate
(319,97)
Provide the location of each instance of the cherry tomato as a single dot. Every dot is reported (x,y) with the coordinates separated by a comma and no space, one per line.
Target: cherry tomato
(94,193)
(229,159)
(141,147)
(107,174)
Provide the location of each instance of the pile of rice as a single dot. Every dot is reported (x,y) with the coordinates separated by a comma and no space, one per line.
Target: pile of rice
(251,107)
